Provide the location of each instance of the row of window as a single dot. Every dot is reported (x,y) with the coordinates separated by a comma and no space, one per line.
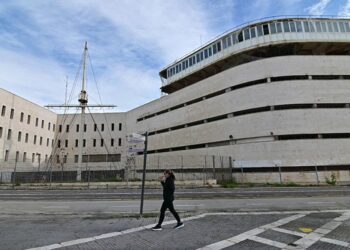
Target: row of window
(36,157)
(94,143)
(85,127)
(28,119)
(92,158)
(244,85)
(36,139)
(257,31)
(233,141)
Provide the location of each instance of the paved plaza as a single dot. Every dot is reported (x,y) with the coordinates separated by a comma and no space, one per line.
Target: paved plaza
(327,229)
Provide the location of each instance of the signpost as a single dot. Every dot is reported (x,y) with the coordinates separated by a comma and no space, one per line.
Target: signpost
(134,139)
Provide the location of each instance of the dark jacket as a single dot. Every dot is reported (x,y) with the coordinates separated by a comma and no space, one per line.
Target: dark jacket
(168,188)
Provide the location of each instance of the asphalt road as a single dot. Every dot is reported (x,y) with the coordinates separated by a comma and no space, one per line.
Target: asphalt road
(204,193)
(214,219)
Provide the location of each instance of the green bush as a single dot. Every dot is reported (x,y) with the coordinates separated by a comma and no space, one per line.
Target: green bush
(332,181)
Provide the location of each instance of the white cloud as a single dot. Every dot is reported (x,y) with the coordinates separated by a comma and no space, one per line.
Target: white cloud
(345,11)
(129,43)
(31,77)
(318,8)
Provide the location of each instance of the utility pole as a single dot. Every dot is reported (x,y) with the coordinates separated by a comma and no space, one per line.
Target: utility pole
(83,104)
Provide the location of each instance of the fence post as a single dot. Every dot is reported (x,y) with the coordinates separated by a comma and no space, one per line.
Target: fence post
(89,179)
(214,175)
(14,174)
(182,167)
(61,172)
(317,179)
(279,170)
(231,168)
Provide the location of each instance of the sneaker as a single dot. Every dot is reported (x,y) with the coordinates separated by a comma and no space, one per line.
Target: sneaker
(179,225)
(157,228)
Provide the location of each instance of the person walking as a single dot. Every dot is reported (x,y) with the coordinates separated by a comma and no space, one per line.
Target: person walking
(167,181)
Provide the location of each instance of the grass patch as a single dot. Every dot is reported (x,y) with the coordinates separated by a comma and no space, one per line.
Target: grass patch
(288,184)
(231,184)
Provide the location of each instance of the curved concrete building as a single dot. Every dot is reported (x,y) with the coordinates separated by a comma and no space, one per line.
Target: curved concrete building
(270,94)
(268,101)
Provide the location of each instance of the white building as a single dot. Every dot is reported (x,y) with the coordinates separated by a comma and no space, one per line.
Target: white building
(270,95)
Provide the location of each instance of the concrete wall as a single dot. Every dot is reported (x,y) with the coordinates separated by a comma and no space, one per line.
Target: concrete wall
(43,134)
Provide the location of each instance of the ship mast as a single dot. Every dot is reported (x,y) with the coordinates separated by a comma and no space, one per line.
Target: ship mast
(83,104)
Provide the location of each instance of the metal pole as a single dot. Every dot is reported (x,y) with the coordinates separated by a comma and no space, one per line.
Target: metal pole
(318,180)
(231,168)
(89,180)
(14,174)
(242,174)
(143,174)
(182,166)
(214,175)
(279,170)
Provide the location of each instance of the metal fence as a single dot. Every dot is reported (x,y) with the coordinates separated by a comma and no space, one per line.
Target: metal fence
(186,167)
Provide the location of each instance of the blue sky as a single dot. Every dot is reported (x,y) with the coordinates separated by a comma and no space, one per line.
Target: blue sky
(41,42)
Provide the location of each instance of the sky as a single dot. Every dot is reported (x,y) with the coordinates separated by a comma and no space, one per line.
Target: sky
(129,42)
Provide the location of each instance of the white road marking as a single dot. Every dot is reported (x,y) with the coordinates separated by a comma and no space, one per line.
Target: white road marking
(194,205)
(124,206)
(249,234)
(231,241)
(268,242)
(319,233)
(321,202)
(63,207)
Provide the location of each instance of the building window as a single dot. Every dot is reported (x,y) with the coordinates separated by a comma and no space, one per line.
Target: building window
(1,129)
(49,125)
(12,113)
(57,159)
(120,127)
(6,155)
(33,158)
(94,142)
(34,139)
(95,127)
(58,143)
(19,135)
(9,134)
(28,119)
(101,142)
(65,159)
(60,128)
(66,143)
(76,143)
(119,141)
(26,139)
(84,127)
(112,142)
(53,127)
(36,122)
(41,140)
(42,123)
(47,142)
(67,128)
(3,111)
(84,143)
(112,126)
(76,158)
(22,117)
(17,155)
(45,158)
(102,127)
(24,156)
(52,143)
(77,128)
